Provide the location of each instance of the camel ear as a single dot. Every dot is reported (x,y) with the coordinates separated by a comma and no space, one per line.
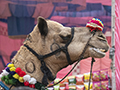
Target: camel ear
(42,25)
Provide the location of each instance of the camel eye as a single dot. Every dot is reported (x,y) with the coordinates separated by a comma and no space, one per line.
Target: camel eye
(65,38)
(101,36)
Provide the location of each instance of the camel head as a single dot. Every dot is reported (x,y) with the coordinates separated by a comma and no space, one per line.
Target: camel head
(49,36)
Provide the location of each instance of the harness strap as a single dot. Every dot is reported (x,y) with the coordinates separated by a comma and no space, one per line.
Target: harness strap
(44,68)
(80,58)
(93,60)
(64,49)
(72,33)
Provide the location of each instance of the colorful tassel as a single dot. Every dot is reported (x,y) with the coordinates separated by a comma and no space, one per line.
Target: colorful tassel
(95,24)
(12,75)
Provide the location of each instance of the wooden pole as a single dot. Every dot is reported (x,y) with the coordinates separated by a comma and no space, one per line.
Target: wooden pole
(113,44)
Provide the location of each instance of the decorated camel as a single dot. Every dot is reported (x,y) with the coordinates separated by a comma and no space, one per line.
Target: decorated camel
(49,48)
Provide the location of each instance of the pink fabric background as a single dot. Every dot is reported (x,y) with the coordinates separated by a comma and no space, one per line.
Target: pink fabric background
(117,43)
(8,45)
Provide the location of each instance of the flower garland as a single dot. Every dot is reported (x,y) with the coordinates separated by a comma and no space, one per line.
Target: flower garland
(13,76)
(95,24)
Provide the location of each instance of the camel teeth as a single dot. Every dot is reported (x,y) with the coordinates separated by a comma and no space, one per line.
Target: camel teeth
(102,50)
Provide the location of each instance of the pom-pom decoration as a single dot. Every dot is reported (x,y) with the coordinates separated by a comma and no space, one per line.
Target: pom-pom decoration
(22,73)
(26,83)
(16,76)
(26,78)
(4,73)
(11,75)
(18,70)
(95,24)
(32,85)
(7,69)
(32,81)
(21,79)
(1,75)
(12,69)
(10,65)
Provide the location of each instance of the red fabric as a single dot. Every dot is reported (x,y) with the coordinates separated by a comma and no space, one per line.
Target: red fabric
(3,29)
(4,10)
(79,20)
(60,19)
(44,10)
(117,43)
(7,46)
(104,2)
(82,4)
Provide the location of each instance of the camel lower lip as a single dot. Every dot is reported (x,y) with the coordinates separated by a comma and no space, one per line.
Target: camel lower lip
(98,51)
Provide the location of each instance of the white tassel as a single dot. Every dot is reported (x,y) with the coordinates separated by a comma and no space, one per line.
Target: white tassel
(32,81)
(26,78)
(4,73)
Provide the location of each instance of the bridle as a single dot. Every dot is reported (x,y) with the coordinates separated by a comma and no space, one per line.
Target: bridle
(47,73)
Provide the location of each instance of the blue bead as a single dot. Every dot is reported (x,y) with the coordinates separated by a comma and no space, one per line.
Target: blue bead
(8,69)
(8,63)
(12,73)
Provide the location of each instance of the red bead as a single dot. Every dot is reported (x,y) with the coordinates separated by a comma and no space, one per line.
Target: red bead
(26,83)
(21,74)
(32,85)
(18,70)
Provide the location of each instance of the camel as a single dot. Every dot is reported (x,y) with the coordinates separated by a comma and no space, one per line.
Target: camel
(49,36)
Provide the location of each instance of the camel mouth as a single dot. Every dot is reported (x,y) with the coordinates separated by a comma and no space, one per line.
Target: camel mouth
(100,51)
